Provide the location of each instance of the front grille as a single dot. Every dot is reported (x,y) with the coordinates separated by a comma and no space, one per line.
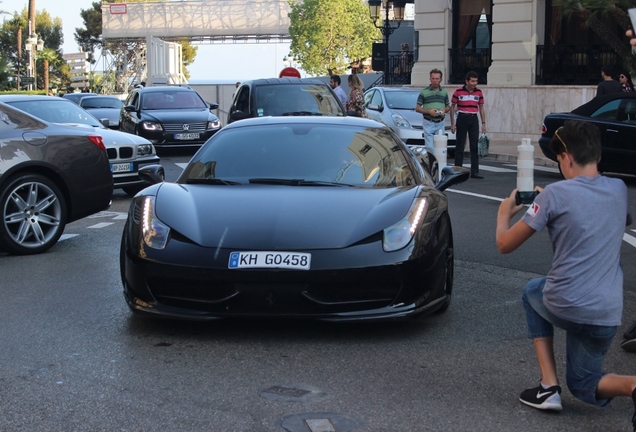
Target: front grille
(178,127)
(120,153)
(419,127)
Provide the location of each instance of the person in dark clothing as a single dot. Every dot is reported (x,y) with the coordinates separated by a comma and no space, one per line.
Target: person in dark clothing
(609,84)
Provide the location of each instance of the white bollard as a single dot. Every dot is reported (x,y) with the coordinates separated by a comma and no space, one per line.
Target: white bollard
(525,166)
(440,149)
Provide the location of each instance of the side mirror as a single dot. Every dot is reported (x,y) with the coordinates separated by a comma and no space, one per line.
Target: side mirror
(238,115)
(105,122)
(214,106)
(375,107)
(452,175)
(129,108)
(152,174)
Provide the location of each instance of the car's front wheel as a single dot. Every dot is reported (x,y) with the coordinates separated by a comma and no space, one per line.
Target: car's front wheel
(449,269)
(33,214)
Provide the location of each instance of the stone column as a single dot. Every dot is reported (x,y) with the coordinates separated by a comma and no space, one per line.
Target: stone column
(514,43)
(432,21)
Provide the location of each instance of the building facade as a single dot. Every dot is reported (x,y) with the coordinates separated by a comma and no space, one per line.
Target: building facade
(531,59)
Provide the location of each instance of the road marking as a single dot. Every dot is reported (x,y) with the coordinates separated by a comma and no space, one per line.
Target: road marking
(100,225)
(67,236)
(182,165)
(626,237)
(541,168)
(114,215)
(492,168)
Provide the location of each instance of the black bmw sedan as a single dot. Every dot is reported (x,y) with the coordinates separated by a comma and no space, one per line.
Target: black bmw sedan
(169,116)
(300,217)
(615,115)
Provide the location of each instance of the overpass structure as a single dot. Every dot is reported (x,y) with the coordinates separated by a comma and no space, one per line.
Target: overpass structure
(139,39)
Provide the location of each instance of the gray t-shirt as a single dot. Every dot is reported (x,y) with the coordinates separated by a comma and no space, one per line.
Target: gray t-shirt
(586,219)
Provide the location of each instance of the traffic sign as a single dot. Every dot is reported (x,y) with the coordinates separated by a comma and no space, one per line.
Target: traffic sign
(79,78)
(79,84)
(289,72)
(27,80)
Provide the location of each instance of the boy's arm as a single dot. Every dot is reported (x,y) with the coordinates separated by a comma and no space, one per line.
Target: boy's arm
(510,238)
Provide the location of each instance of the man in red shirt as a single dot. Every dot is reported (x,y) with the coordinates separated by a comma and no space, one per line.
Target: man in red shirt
(468,100)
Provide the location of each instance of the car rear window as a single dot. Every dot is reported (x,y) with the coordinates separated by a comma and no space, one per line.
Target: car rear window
(292,99)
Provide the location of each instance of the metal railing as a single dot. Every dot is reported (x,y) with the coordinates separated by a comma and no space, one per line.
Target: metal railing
(573,65)
(464,60)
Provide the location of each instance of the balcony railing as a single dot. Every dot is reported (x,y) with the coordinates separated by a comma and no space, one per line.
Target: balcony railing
(566,64)
(465,60)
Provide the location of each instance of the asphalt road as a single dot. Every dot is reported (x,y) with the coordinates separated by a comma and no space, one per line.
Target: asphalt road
(74,359)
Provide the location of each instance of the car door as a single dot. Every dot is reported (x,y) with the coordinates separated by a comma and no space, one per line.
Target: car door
(128,117)
(617,122)
(374,105)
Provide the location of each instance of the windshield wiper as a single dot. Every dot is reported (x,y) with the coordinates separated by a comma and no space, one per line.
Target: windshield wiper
(295,182)
(302,113)
(211,181)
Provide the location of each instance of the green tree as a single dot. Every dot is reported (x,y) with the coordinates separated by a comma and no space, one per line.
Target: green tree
(13,36)
(328,35)
(593,12)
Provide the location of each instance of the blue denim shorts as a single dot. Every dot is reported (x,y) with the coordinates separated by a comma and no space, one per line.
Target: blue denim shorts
(586,345)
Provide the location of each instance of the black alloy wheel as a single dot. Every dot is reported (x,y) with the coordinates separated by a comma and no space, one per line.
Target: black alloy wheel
(449,269)
(33,214)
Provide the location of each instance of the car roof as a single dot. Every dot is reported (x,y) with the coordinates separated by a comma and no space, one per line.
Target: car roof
(157,89)
(599,101)
(263,81)
(287,120)
(18,97)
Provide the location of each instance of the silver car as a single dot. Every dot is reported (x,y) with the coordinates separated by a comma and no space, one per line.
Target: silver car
(103,107)
(126,152)
(395,107)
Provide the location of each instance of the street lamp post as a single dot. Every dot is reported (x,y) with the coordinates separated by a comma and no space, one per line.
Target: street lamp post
(33,44)
(375,8)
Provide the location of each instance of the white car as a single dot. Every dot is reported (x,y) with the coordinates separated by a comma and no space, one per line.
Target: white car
(395,107)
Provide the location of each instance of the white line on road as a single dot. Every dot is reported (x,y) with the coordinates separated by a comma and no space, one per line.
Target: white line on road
(182,165)
(67,236)
(626,237)
(492,168)
(100,225)
(541,168)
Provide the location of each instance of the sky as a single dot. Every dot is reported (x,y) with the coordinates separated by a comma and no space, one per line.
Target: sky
(214,63)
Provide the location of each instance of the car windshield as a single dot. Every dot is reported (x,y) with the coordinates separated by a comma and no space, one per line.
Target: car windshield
(100,102)
(300,154)
(295,99)
(171,100)
(403,99)
(56,110)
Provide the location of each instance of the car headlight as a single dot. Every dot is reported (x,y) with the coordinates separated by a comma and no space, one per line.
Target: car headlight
(400,234)
(151,126)
(145,149)
(214,124)
(400,121)
(155,232)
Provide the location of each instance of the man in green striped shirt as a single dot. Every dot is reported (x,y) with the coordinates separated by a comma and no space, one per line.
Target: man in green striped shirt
(433,104)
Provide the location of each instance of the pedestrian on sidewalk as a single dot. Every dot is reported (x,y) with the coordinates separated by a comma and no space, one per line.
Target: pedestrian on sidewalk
(334,83)
(433,104)
(468,100)
(609,84)
(586,215)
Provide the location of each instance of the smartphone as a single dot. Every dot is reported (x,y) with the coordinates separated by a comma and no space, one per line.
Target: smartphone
(632,17)
(525,197)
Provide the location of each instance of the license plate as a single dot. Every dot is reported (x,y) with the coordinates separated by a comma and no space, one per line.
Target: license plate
(186,136)
(265,259)
(122,167)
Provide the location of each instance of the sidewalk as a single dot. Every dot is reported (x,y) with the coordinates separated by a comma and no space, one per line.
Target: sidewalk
(506,151)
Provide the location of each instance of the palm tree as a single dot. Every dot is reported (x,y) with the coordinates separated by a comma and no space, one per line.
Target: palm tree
(591,11)
(47,55)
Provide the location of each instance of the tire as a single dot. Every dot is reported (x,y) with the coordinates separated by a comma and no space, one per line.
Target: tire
(449,270)
(33,214)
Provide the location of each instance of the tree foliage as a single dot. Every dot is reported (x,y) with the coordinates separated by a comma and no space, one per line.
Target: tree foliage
(328,35)
(593,13)
(49,29)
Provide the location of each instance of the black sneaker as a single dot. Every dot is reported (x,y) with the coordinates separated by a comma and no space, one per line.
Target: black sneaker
(540,398)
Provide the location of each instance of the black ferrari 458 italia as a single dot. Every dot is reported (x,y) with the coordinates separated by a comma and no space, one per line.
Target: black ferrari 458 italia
(293,217)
